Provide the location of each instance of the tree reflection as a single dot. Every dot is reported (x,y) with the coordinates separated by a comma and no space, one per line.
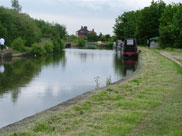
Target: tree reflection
(122,65)
(20,72)
(118,63)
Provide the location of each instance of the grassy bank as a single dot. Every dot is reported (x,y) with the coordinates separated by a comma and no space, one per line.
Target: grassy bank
(148,104)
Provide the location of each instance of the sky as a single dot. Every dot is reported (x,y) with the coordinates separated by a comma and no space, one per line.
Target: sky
(95,14)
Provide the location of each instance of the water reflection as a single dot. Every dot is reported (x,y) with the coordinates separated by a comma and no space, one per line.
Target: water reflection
(19,72)
(129,64)
(125,65)
(30,85)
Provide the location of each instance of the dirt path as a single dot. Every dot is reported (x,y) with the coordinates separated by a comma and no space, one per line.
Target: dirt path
(172,57)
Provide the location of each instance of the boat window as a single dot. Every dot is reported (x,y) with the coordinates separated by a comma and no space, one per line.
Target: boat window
(130,42)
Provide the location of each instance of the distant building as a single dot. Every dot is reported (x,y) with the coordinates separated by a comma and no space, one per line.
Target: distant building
(93,31)
(154,42)
(83,32)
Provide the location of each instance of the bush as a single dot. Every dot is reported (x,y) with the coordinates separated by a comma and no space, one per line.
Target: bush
(18,44)
(81,43)
(109,45)
(58,45)
(48,47)
(62,44)
(37,50)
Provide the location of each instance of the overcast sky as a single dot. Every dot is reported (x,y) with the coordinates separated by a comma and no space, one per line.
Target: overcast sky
(97,14)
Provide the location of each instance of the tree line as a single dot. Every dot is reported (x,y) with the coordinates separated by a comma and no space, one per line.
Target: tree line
(157,20)
(17,26)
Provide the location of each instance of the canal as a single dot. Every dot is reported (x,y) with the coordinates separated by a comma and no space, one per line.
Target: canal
(31,85)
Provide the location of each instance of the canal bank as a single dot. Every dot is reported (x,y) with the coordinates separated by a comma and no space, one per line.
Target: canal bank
(134,107)
(28,121)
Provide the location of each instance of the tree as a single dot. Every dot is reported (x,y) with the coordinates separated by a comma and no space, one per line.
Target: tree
(16,6)
(125,26)
(14,24)
(142,24)
(101,37)
(107,36)
(3,31)
(171,27)
(51,30)
(81,43)
(149,21)
(92,37)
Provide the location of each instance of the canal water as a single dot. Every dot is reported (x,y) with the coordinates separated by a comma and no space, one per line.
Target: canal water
(31,85)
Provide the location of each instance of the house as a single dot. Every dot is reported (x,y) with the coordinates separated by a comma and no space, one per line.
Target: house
(83,32)
(93,31)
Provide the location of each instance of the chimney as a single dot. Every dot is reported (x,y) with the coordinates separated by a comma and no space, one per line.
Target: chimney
(85,27)
(81,27)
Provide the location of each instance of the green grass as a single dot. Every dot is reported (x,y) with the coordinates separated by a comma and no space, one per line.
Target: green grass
(150,104)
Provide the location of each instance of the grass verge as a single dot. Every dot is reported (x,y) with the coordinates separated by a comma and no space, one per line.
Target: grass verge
(150,104)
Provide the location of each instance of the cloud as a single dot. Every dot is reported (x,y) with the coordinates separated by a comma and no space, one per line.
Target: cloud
(111,4)
(73,23)
(98,14)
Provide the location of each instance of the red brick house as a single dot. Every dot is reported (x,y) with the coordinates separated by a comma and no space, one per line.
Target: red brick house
(84,31)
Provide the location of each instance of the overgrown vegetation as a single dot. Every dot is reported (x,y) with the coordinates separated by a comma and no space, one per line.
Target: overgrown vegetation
(148,104)
(81,43)
(37,50)
(18,44)
(158,19)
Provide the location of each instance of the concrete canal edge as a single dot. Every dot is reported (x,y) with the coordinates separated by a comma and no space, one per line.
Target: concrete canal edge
(13,55)
(26,122)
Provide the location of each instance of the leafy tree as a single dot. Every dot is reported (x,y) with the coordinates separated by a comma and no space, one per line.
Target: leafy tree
(48,47)
(56,45)
(101,37)
(166,29)
(61,43)
(18,25)
(92,37)
(149,21)
(3,32)
(72,38)
(178,27)
(171,27)
(16,6)
(107,36)
(52,31)
(81,43)
(125,26)
(142,24)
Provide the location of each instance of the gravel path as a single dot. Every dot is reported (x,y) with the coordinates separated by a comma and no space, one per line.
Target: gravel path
(171,57)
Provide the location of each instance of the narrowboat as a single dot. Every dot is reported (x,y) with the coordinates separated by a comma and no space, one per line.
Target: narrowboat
(130,51)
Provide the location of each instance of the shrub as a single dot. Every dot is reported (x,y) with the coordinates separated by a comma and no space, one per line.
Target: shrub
(48,47)
(62,44)
(108,45)
(56,46)
(37,50)
(18,44)
(81,43)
